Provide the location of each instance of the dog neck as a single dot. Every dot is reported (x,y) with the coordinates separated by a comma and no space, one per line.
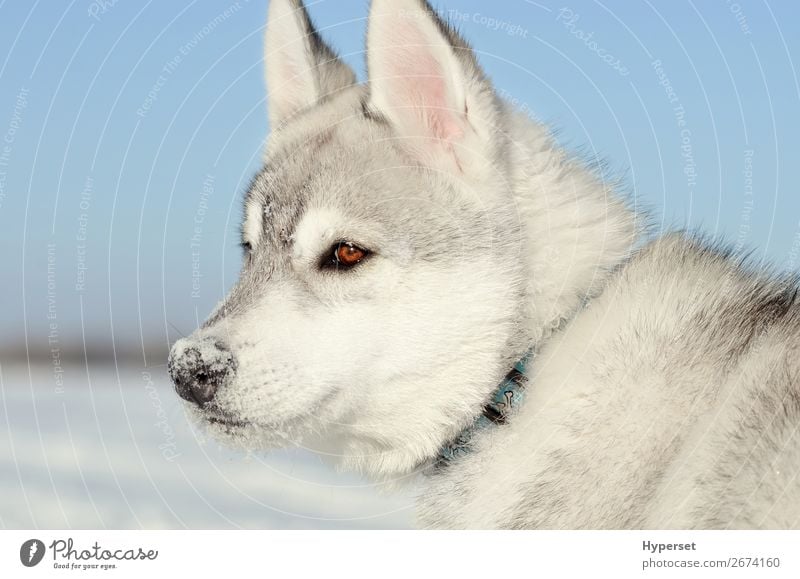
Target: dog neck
(577,227)
(577,232)
(506,398)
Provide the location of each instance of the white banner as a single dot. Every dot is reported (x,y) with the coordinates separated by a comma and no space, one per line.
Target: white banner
(354,554)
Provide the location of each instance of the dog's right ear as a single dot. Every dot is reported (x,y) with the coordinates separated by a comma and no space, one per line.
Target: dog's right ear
(300,68)
(424,78)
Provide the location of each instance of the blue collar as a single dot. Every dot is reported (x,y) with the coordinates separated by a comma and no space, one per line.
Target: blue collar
(504,400)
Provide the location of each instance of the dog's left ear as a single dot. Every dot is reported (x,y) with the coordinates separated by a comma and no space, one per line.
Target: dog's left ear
(301,69)
(425,79)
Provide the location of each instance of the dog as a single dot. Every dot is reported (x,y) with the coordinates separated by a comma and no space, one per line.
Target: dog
(433,291)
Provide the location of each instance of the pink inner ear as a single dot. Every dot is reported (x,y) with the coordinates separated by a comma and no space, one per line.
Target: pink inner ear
(422,91)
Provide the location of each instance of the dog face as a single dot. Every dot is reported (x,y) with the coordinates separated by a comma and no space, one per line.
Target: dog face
(380,296)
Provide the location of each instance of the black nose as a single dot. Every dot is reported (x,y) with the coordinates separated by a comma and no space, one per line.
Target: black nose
(199,367)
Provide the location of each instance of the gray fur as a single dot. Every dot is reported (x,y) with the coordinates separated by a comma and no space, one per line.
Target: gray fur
(664,387)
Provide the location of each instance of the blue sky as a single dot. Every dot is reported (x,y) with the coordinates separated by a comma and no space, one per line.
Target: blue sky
(123,125)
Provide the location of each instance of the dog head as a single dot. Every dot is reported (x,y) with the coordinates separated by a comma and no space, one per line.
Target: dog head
(381,291)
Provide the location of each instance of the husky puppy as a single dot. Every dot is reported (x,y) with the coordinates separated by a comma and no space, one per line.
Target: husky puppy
(411,240)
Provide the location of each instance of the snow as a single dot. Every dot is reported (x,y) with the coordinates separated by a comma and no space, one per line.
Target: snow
(113,449)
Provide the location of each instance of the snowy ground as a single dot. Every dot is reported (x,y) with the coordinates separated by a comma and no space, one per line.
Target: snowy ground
(114,450)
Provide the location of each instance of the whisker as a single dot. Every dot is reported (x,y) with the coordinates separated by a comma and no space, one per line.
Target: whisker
(174,327)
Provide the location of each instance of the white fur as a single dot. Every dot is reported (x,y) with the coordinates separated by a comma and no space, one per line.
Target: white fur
(663,390)
(296,77)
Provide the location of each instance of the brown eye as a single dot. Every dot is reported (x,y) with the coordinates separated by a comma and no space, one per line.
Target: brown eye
(345,255)
(348,254)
